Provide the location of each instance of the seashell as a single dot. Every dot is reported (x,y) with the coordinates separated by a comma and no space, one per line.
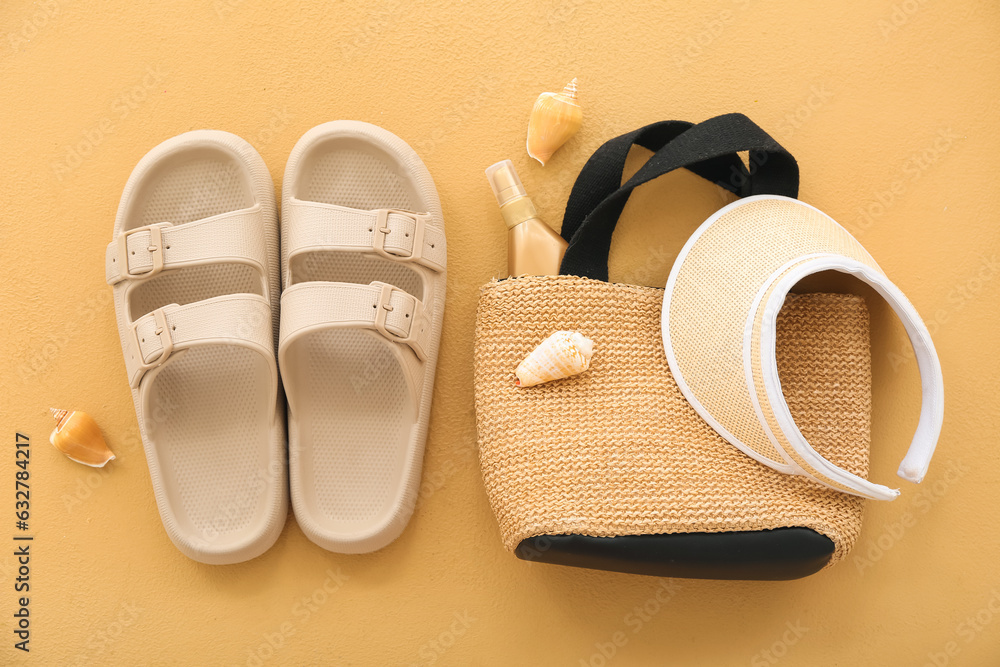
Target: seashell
(79,437)
(555,118)
(561,355)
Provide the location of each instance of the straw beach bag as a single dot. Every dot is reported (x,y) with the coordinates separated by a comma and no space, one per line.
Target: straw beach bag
(614,468)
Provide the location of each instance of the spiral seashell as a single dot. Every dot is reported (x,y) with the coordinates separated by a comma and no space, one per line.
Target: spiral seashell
(561,355)
(554,119)
(79,437)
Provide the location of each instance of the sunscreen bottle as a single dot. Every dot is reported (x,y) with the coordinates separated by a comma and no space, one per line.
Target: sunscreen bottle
(533,248)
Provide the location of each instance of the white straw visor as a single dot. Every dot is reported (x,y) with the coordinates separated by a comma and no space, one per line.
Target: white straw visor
(719,316)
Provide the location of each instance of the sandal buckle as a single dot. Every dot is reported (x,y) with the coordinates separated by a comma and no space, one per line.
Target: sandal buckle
(155,249)
(385,307)
(382,231)
(162,332)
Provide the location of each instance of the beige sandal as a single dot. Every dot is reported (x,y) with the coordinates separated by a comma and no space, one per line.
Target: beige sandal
(363,272)
(194,266)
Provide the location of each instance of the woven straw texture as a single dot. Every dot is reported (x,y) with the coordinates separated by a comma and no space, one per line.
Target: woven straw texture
(752,240)
(618,451)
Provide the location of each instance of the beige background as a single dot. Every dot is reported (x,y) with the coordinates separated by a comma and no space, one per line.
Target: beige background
(891,110)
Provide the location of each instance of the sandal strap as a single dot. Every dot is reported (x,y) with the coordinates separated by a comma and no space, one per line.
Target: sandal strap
(402,236)
(141,253)
(231,319)
(396,314)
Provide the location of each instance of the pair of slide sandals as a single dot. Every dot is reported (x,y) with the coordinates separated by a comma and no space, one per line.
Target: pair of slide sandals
(359,282)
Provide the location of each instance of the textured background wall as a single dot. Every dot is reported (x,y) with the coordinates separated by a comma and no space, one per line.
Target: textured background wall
(891,110)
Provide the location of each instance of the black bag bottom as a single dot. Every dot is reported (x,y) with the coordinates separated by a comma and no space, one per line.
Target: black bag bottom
(772,555)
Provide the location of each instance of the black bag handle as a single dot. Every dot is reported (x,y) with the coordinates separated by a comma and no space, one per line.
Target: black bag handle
(602,174)
(708,149)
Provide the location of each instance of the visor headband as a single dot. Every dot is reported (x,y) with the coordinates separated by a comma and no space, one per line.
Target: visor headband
(726,365)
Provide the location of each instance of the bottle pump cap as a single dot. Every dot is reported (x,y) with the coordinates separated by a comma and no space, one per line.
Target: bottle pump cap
(515,205)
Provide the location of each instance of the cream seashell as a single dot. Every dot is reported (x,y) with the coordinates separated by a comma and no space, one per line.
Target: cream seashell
(554,119)
(561,355)
(79,437)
